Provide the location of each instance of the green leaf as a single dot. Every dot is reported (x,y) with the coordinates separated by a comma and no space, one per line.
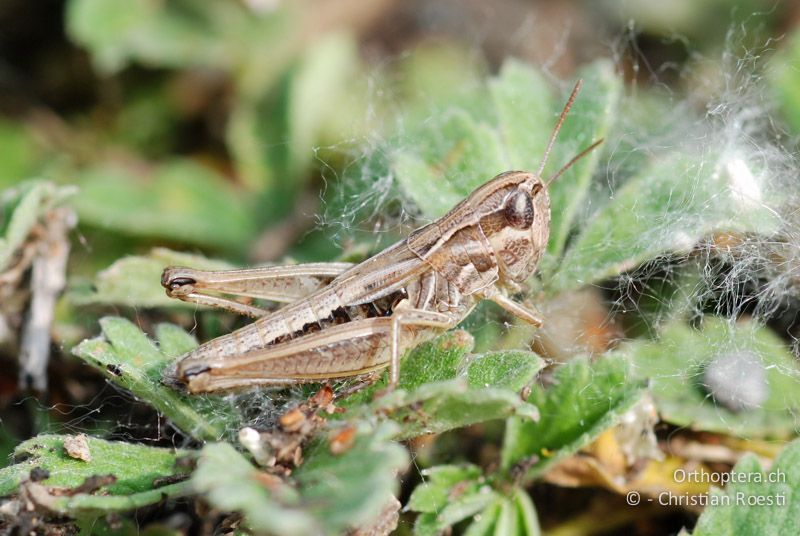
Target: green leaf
(136,468)
(273,135)
(526,512)
(443,406)
(589,120)
(20,157)
(180,200)
(524,103)
(510,370)
(785,78)
(454,155)
(230,483)
(584,400)
(455,493)
(436,395)
(669,207)
(129,359)
(433,361)
(451,494)
(485,523)
(438,482)
(136,280)
(349,489)
(20,209)
(675,366)
(465,146)
(757,501)
(326,495)
(168,34)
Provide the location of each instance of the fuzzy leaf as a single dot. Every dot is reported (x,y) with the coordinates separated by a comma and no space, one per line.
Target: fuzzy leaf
(430,362)
(485,523)
(669,207)
(785,79)
(441,406)
(350,488)
(517,516)
(457,500)
(510,370)
(454,156)
(327,494)
(450,495)
(230,482)
(436,395)
(675,366)
(135,467)
(758,501)
(589,120)
(528,112)
(136,280)
(129,359)
(584,400)
(181,200)
(435,491)
(524,103)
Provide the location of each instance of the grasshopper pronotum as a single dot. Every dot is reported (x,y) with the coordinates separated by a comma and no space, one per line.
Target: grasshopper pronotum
(345,320)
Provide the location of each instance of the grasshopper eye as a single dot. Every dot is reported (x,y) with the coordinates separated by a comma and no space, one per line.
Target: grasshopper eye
(180,282)
(519,210)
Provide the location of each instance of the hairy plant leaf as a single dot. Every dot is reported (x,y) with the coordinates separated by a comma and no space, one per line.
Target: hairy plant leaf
(129,359)
(583,400)
(434,492)
(785,78)
(136,280)
(517,516)
(21,208)
(757,501)
(442,406)
(509,369)
(450,493)
(676,366)
(524,103)
(136,468)
(485,523)
(589,120)
(230,482)
(180,200)
(669,207)
(433,361)
(325,495)
(455,155)
(348,489)
(441,390)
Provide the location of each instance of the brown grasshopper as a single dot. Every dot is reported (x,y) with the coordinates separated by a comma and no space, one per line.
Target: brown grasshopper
(346,320)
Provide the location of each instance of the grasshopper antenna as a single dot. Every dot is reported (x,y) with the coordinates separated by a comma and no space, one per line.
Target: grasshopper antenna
(571,162)
(561,119)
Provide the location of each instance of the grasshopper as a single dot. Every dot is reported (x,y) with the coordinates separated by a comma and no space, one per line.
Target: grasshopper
(343,320)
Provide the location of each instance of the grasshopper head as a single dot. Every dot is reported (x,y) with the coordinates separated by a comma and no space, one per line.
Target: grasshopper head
(518,226)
